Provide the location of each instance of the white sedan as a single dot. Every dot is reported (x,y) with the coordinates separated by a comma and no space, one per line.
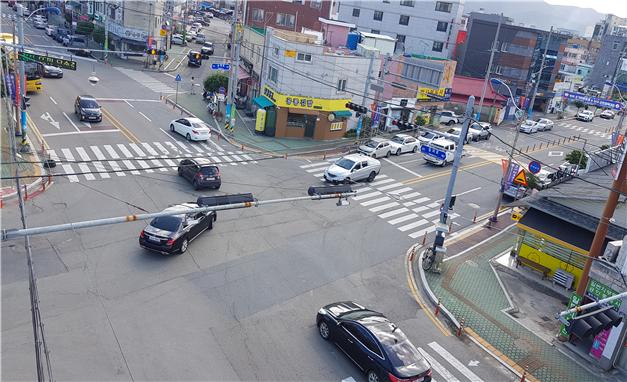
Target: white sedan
(403,143)
(529,127)
(544,124)
(193,129)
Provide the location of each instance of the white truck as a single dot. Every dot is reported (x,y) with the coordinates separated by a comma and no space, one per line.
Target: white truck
(439,151)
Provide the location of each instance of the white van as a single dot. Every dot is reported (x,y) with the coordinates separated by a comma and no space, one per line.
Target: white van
(439,151)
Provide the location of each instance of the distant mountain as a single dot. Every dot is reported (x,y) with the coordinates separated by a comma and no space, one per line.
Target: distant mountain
(540,14)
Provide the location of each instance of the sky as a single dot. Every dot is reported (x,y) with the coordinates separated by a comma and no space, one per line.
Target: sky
(616,7)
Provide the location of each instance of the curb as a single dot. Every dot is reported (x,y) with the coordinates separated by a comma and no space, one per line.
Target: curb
(29,187)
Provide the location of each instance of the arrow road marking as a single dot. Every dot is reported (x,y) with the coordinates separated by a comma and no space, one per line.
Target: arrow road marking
(87,124)
(473,363)
(72,122)
(47,117)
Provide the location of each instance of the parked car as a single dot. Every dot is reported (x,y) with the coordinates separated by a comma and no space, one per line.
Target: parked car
(607,114)
(440,152)
(52,72)
(374,343)
(376,148)
(544,124)
(480,130)
(190,35)
(193,129)
(403,143)
(207,49)
(87,108)
(449,118)
(201,173)
(40,24)
(51,30)
(585,115)
(200,38)
(178,39)
(351,168)
(427,136)
(59,34)
(194,58)
(455,133)
(197,24)
(529,127)
(172,234)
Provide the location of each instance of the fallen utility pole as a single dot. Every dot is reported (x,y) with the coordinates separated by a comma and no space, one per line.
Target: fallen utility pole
(8,234)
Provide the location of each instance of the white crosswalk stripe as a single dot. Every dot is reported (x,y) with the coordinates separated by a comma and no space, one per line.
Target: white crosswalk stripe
(66,167)
(82,166)
(454,362)
(437,367)
(114,165)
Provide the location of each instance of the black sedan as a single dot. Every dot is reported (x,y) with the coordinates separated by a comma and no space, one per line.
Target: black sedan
(172,234)
(376,345)
(52,72)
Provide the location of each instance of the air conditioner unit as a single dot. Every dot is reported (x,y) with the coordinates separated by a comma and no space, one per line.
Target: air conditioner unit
(611,251)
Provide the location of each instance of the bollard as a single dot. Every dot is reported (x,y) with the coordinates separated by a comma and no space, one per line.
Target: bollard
(218,137)
(450,227)
(1,202)
(527,149)
(461,327)
(285,155)
(534,147)
(424,239)
(49,178)
(474,218)
(324,155)
(43,184)
(242,147)
(437,308)
(524,376)
(540,148)
(25,193)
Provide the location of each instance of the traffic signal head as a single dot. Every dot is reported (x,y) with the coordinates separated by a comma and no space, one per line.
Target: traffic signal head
(590,326)
(357,108)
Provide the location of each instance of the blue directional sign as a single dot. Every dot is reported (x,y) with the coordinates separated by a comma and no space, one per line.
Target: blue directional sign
(594,101)
(534,167)
(219,66)
(178,78)
(433,152)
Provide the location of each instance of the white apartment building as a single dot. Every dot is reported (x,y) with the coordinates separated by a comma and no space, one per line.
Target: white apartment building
(426,28)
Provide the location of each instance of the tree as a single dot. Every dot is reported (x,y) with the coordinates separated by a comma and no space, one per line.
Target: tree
(99,35)
(215,81)
(578,104)
(575,156)
(84,27)
(532,181)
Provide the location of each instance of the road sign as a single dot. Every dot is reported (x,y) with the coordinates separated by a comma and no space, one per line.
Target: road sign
(47,60)
(222,90)
(218,66)
(163,32)
(433,152)
(534,167)
(178,78)
(594,101)
(521,178)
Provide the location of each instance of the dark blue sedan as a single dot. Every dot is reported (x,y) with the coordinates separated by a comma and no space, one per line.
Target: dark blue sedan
(375,344)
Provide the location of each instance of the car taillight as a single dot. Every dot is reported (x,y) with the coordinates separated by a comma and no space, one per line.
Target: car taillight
(195,131)
(170,242)
(142,234)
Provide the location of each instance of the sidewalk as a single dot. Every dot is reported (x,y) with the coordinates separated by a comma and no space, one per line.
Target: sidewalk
(470,290)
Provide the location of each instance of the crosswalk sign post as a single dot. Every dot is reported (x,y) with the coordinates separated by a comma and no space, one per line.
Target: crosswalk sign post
(176,97)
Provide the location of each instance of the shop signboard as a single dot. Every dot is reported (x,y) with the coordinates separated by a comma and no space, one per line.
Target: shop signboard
(598,291)
(127,33)
(303,102)
(429,94)
(575,300)
(335,126)
(260,122)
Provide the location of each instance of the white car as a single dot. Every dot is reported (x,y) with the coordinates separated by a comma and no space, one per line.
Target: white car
(40,24)
(193,129)
(449,118)
(51,29)
(544,124)
(440,152)
(191,34)
(427,136)
(352,168)
(455,132)
(480,130)
(200,38)
(607,114)
(197,25)
(403,143)
(585,115)
(529,127)
(178,39)
(376,148)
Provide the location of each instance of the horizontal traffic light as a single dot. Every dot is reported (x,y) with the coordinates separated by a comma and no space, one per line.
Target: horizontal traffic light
(357,108)
(589,325)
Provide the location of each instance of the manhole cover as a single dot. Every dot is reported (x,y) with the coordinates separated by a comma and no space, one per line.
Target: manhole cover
(523,344)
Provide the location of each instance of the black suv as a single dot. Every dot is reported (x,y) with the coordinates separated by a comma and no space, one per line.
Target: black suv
(201,172)
(194,59)
(87,108)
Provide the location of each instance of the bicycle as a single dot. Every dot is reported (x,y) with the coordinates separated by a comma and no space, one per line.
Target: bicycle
(428,258)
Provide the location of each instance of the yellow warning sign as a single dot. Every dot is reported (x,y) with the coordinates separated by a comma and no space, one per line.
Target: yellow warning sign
(521,178)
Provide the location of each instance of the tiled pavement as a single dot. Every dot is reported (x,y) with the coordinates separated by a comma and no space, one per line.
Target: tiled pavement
(469,289)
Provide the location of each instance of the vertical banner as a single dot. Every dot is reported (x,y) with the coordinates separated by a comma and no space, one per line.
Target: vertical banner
(260,123)
(575,300)
(359,123)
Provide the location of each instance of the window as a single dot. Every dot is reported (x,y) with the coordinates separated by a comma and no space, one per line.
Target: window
(442,26)
(298,1)
(285,19)
(407,3)
(442,6)
(273,74)
(403,20)
(378,15)
(504,46)
(275,51)
(498,69)
(400,38)
(303,57)
(258,14)
(437,46)
(315,4)
(295,120)
(375,31)
(615,45)
(356,12)
(341,85)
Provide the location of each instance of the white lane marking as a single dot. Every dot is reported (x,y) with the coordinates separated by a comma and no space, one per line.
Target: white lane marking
(368,195)
(422,200)
(403,168)
(129,104)
(149,148)
(66,167)
(72,122)
(317,168)
(99,167)
(137,149)
(82,132)
(383,207)
(100,156)
(53,101)
(420,209)
(361,190)
(403,218)
(462,193)
(114,165)
(412,225)
(422,232)
(392,213)
(375,201)
(144,115)
(434,204)
(174,148)
(82,166)
(454,362)
(380,182)
(198,149)
(182,146)
(215,145)
(125,151)
(248,157)
(144,166)
(156,163)
(447,375)
(430,214)
(556,153)
(400,191)
(159,146)
(130,166)
(410,196)
(393,185)
(318,164)
(228,160)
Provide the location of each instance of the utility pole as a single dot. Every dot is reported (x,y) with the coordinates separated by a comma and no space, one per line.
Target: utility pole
(22,89)
(488,71)
(365,95)
(439,250)
(615,74)
(535,88)
(230,106)
(106,36)
(377,94)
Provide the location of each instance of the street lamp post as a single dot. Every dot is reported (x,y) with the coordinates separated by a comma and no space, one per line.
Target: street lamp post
(521,117)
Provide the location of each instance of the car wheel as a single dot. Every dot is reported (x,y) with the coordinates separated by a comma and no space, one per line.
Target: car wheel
(323,329)
(387,155)
(184,245)
(487,137)
(347,181)
(210,225)
(374,156)
(414,149)
(371,176)
(171,127)
(372,376)
(188,137)
(398,152)
(180,171)
(450,123)
(196,185)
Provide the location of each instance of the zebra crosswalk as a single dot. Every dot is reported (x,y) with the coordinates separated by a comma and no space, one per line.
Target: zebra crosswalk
(585,130)
(122,159)
(146,80)
(483,154)
(400,206)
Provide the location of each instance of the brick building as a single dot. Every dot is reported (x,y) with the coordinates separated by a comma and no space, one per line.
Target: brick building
(292,16)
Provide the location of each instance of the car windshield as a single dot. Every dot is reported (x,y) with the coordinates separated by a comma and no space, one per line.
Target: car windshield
(428,135)
(89,104)
(372,144)
(167,223)
(345,163)
(398,139)
(539,120)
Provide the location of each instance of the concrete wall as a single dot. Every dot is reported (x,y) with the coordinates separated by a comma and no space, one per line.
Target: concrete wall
(335,35)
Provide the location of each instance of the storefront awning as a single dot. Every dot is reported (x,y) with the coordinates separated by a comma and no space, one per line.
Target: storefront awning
(262,102)
(242,74)
(343,113)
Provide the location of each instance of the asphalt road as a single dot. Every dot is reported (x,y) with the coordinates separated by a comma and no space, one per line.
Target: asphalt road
(241,303)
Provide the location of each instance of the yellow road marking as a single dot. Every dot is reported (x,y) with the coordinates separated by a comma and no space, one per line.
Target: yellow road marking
(131,137)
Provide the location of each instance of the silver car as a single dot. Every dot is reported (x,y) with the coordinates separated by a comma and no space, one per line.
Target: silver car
(544,124)
(376,148)
(352,168)
(529,127)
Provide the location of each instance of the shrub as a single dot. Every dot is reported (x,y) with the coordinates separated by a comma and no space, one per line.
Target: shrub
(575,156)
(215,81)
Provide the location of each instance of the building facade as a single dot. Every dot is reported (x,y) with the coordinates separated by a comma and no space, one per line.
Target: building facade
(608,63)
(608,26)
(427,28)
(517,59)
(305,86)
(287,15)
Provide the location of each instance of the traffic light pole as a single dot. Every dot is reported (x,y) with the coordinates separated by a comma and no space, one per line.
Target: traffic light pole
(535,88)
(22,89)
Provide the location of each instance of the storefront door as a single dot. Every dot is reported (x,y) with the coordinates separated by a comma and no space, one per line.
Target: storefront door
(310,126)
